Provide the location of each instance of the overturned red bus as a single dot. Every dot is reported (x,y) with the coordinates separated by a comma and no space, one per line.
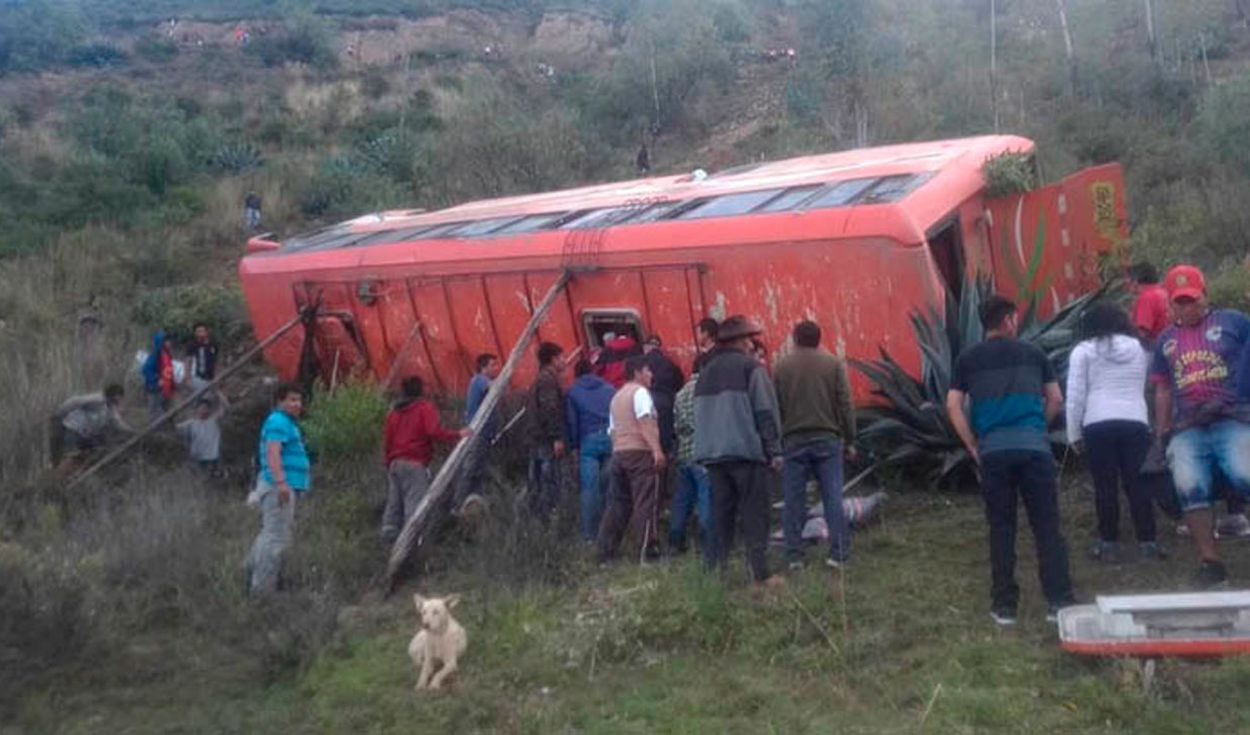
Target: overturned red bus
(856,240)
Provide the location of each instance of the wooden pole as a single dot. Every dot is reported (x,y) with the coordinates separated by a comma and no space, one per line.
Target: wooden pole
(402,356)
(134,440)
(994,62)
(1067,45)
(416,524)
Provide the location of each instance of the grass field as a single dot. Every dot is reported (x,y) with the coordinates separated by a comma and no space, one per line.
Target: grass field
(901,642)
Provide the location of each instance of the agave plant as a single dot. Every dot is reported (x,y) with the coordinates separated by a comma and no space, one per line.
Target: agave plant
(237,158)
(911,426)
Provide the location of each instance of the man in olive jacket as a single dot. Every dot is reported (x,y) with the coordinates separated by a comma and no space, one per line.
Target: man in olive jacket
(817,428)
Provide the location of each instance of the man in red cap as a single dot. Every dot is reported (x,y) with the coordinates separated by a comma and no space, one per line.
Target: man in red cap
(1199,415)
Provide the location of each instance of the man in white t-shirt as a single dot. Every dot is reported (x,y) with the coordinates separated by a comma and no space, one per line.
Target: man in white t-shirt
(633,495)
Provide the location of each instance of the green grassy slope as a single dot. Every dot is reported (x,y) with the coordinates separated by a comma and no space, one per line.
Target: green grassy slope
(902,643)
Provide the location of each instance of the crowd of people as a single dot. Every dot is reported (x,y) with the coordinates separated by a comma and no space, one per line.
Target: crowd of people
(1175,364)
(1156,399)
(634,436)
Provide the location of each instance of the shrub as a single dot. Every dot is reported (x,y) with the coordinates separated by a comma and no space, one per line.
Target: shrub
(346,423)
(37,33)
(305,40)
(237,158)
(178,308)
(155,47)
(96,54)
(1224,121)
(1008,174)
(1230,288)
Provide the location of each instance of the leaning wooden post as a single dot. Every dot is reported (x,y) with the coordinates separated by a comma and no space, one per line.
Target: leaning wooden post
(421,517)
(134,440)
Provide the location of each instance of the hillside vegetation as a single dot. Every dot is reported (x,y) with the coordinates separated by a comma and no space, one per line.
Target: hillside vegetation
(127,145)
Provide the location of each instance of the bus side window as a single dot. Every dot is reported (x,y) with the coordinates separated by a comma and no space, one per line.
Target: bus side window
(598,324)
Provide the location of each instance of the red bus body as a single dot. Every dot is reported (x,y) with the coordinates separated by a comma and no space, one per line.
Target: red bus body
(856,240)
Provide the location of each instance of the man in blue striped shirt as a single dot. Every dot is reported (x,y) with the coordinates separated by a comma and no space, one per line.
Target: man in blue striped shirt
(1014,396)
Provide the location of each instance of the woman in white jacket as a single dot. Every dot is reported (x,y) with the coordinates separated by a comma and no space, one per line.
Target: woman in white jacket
(1107,421)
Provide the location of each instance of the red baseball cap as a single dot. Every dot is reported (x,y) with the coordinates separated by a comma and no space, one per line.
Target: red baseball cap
(1185,282)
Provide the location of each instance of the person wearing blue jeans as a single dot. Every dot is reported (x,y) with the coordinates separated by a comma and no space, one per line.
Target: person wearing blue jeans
(586,414)
(694,495)
(694,486)
(821,461)
(1201,405)
(818,428)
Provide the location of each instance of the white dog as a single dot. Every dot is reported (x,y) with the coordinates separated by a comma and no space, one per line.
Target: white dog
(440,638)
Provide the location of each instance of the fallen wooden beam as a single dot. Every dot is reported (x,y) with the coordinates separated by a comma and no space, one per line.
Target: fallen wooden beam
(133,441)
(417,523)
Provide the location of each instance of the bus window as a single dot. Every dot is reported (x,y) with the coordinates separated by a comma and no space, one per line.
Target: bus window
(729,204)
(602,324)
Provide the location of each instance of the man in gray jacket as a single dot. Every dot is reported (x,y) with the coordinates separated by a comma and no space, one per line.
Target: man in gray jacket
(739,440)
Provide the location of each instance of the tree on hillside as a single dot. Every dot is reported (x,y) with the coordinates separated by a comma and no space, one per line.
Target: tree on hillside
(37,33)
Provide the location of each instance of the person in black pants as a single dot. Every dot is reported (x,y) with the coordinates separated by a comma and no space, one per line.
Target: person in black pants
(1014,397)
(1107,421)
(738,439)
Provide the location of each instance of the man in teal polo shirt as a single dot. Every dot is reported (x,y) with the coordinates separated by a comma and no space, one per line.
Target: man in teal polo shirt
(283,477)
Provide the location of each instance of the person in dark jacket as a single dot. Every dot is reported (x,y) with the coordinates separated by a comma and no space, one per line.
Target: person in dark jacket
(412,427)
(705,341)
(545,407)
(818,427)
(586,412)
(666,380)
(738,440)
(202,357)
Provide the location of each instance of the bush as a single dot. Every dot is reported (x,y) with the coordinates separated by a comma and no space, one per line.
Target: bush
(1230,288)
(347,423)
(305,40)
(1224,122)
(37,33)
(177,309)
(1009,174)
(96,54)
(155,47)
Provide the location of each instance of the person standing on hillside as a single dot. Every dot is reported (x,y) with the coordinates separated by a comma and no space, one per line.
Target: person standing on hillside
(587,413)
(694,489)
(202,434)
(738,438)
(158,376)
(705,341)
(1150,306)
(284,476)
(817,428)
(545,407)
(1014,397)
(1107,422)
(202,357)
(666,380)
(412,427)
(637,458)
(84,422)
(469,486)
(1202,416)
(251,211)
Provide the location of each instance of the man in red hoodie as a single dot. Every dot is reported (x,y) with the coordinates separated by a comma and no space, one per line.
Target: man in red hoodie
(412,427)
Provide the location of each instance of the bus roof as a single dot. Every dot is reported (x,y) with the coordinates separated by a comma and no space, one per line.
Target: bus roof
(927,179)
